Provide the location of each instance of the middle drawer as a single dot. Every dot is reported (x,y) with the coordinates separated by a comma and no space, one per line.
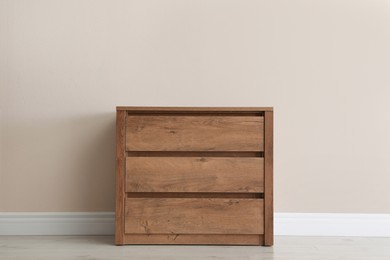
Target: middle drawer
(194,174)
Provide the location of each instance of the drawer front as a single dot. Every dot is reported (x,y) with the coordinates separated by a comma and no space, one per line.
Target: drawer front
(194,174)
(194,133)
(194,216)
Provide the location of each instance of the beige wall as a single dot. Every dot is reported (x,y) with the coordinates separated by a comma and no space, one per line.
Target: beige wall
(324,66)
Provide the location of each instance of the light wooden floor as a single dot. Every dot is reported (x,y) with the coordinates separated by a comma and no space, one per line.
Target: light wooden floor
(101,247)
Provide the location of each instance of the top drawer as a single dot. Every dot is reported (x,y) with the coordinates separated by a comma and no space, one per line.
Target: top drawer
(194,133)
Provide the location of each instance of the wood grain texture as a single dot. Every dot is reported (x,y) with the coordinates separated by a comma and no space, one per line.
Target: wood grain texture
(197,239)
(194,174)
(268,179)
(194,133)
(194,216)
(120,177)
(195,109)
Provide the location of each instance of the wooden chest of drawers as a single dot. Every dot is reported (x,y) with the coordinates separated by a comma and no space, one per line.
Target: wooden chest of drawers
(194,175)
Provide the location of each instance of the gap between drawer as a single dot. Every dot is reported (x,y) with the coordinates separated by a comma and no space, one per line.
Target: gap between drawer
(196,113)
(206,195)
(192,154)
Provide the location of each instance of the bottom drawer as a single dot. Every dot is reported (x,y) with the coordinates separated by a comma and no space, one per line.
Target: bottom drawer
(194,216)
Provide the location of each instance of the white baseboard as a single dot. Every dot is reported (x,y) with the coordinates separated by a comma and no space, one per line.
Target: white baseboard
(332,224)
(57,223)
(102,223)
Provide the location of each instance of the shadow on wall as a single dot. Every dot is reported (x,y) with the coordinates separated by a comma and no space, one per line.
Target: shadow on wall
(58,164)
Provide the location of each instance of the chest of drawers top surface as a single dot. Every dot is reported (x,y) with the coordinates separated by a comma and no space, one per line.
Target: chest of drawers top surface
(187,175)
(193,109)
